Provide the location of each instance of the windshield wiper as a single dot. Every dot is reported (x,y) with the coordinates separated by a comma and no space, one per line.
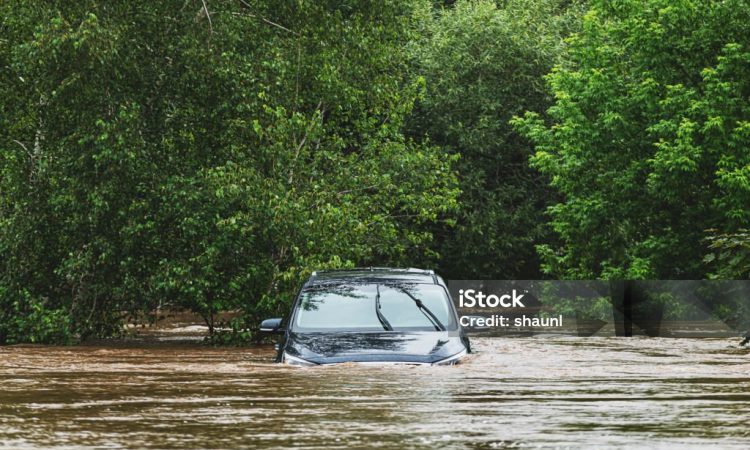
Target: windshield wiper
(383,321)
(425,310)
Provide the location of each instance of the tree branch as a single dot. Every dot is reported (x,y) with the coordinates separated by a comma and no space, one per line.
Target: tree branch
(281,27)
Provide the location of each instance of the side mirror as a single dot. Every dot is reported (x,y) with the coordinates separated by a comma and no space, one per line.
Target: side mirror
(271,325)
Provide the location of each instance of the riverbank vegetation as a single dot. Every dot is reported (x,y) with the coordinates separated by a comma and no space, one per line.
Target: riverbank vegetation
(208,155)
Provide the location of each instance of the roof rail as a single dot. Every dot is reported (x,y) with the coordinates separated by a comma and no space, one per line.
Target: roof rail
(375,268)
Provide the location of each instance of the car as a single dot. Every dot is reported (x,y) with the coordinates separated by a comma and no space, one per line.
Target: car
(371,315)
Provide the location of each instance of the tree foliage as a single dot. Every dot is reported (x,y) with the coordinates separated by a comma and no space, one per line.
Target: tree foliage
(162,154)
(484,63)
(730,255)
(207,155)
(648,139)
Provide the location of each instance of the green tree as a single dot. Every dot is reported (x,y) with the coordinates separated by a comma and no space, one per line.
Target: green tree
(648,138)
(730,255)
(483,64)
(204,155)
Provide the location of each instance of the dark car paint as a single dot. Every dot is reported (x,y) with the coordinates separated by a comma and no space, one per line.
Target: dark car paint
(424,347)
(387,346)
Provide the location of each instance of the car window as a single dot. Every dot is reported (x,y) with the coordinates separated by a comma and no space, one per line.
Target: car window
(352,307)
(402,312)
(338,307)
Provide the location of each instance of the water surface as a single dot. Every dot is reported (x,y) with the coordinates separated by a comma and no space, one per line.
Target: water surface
(514,392)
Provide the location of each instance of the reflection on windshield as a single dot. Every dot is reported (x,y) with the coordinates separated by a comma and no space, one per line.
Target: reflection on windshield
(374,307)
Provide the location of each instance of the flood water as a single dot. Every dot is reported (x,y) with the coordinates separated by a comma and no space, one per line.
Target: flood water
(514,392)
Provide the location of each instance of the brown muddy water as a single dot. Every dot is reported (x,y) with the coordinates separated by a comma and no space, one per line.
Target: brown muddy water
(514,392)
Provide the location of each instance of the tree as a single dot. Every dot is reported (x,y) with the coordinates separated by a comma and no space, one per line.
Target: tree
(204,155)
(648,138)
(729,255)
(483,64)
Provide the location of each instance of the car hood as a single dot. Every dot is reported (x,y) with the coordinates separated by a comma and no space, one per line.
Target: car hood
(425,347)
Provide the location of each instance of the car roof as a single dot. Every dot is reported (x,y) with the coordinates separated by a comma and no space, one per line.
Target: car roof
(361,274)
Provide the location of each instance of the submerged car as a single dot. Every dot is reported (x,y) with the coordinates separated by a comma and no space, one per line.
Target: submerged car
(371,315)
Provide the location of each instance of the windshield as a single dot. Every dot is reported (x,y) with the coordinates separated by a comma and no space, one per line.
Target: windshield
(374,307)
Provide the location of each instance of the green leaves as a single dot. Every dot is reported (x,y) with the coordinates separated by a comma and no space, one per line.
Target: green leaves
(729,255)
(648,118)
(211,167)
(483,64)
